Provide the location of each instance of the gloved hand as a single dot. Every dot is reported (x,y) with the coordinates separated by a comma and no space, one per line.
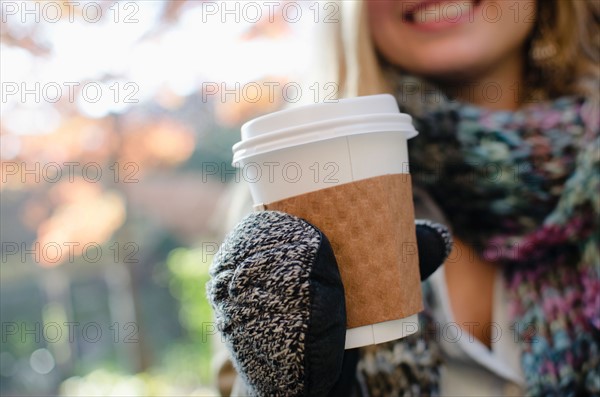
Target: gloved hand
(279,303)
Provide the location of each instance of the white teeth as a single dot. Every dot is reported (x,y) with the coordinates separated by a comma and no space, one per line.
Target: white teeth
(450,11)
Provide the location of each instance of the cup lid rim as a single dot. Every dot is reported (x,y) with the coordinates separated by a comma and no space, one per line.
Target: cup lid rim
(322,121)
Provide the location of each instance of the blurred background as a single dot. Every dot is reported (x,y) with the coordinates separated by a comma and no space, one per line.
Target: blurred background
(117,121)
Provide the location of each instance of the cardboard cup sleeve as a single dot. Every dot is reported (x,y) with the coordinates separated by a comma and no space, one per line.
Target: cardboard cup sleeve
(370,224)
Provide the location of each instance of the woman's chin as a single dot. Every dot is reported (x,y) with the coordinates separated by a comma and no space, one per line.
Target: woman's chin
(447,70)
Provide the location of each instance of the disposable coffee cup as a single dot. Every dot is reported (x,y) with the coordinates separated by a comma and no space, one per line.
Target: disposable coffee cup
(343,167)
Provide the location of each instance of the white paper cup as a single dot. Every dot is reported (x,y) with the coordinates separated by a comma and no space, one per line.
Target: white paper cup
(313,147)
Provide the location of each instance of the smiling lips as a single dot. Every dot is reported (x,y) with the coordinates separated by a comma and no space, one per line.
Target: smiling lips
(439,13)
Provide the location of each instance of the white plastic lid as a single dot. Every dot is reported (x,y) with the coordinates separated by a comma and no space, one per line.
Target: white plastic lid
(318,122)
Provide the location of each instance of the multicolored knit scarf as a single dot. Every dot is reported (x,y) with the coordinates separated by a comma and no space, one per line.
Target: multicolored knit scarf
(523,189)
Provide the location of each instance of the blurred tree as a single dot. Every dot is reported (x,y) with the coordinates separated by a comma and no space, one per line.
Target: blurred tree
(126,177)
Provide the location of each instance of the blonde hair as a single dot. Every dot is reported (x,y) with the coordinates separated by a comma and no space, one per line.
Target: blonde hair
(573,27)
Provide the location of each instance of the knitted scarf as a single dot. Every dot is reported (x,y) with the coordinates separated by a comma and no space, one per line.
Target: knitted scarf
(523,189)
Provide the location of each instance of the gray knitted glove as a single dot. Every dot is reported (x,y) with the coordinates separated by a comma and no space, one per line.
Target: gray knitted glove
(279,303)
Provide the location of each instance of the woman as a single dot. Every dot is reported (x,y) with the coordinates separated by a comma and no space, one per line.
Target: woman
(505,97)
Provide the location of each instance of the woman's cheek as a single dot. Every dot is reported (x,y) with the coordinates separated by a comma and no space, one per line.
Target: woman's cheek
(379,10)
